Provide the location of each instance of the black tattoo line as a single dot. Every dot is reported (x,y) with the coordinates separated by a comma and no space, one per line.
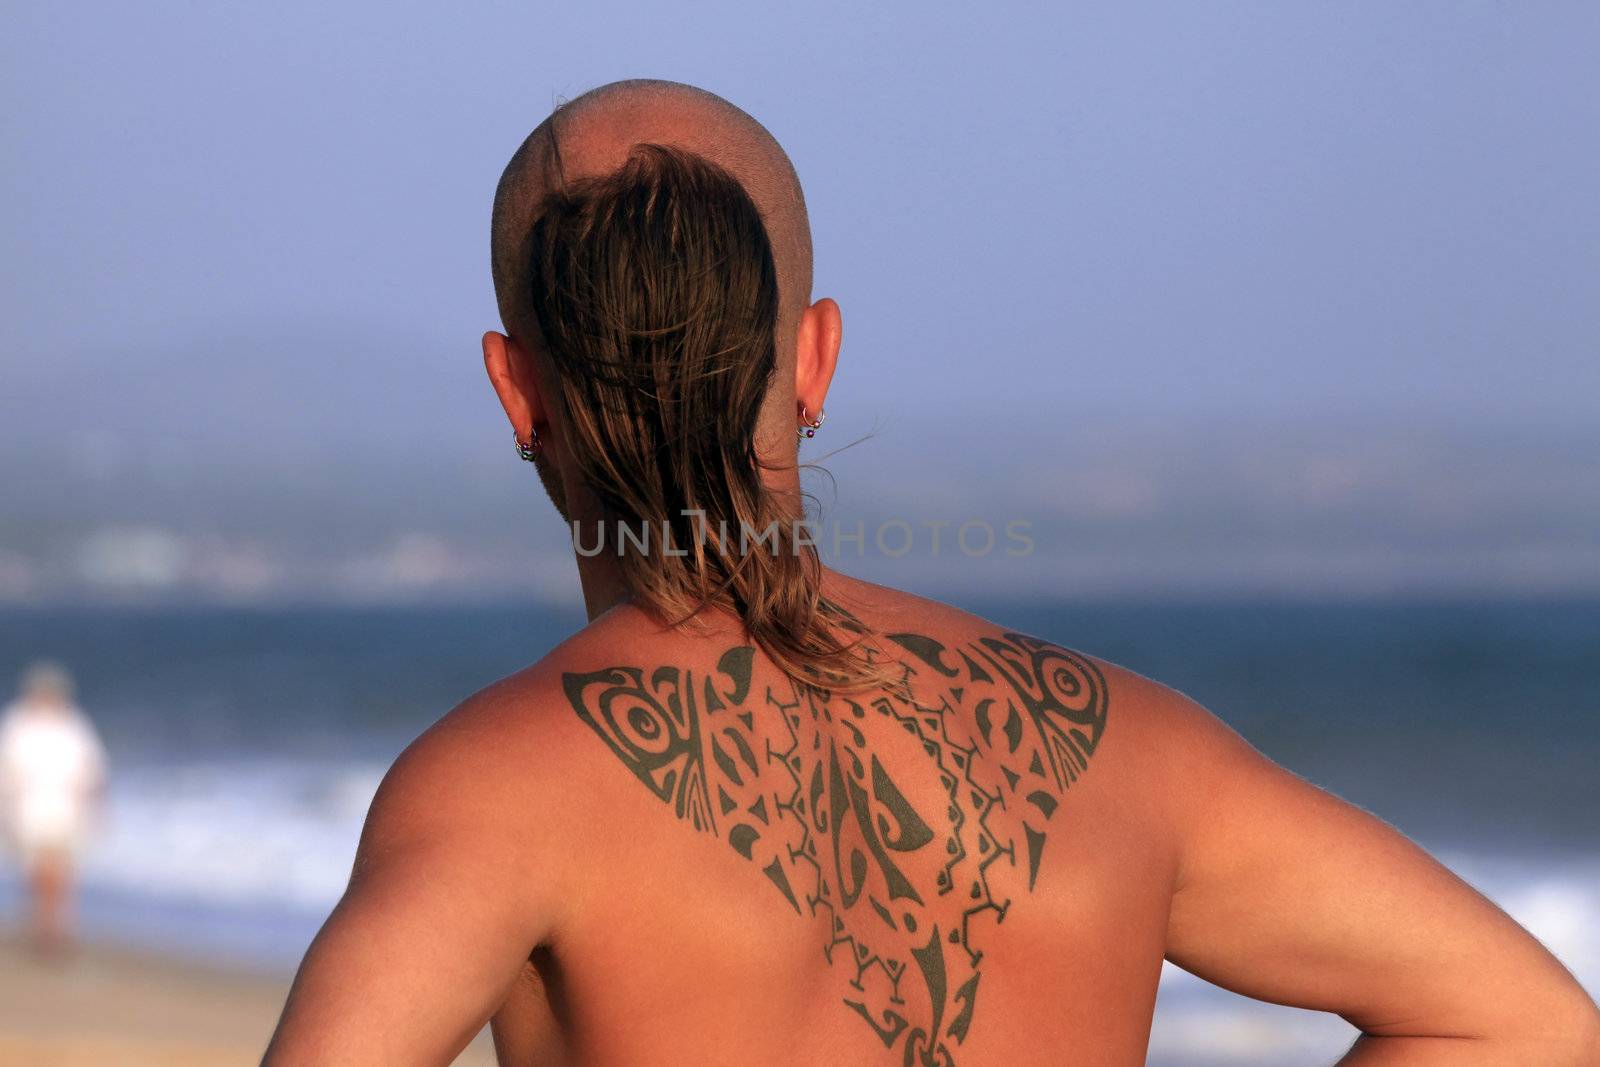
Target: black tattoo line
(1007,724)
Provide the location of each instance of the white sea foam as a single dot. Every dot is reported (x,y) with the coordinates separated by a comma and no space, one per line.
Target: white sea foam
(239,833)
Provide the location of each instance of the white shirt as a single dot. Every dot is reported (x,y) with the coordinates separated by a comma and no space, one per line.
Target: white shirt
(51,763)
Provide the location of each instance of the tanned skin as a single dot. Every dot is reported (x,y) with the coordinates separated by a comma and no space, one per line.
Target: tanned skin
(652,847)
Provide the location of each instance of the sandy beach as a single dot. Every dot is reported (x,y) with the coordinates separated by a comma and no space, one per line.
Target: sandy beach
(107,1005)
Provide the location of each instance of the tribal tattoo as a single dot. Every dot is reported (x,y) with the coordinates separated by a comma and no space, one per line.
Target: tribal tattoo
(1005,723)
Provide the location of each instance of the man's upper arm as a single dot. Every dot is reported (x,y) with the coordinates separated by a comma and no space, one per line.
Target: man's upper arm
(444,905)
(1287,894)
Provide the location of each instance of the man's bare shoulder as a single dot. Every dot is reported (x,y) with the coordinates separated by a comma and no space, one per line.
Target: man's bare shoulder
(896,612)
(1157,738)
(526,710)
(510,748)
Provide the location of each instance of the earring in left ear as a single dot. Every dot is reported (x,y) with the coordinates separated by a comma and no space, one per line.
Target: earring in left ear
(529,451)
(809,426)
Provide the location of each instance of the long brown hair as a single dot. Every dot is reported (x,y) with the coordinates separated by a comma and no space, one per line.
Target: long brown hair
(656,297)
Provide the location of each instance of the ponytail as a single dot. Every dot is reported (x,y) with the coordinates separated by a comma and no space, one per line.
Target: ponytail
(656,295)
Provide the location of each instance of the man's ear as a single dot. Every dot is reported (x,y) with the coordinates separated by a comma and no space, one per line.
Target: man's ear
(816,354)
(511,374)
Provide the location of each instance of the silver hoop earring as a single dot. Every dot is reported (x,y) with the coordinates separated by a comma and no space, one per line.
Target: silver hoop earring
(529,451)
(809,426)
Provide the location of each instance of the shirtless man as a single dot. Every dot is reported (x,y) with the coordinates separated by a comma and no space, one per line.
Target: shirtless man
(758,812)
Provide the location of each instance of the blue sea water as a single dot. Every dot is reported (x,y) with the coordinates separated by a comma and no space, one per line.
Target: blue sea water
(246,744)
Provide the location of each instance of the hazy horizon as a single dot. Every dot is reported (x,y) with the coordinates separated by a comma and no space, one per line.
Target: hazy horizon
(1222,300)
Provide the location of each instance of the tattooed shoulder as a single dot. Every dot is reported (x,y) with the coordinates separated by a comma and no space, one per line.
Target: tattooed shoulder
(814,787)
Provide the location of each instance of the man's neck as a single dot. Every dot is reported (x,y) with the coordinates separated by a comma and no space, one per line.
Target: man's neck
(604,586)
(600,572)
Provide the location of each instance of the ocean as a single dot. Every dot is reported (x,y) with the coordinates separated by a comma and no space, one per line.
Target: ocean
(246,745)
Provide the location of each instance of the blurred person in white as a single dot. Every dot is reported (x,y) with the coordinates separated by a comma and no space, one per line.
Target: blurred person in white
(52,772)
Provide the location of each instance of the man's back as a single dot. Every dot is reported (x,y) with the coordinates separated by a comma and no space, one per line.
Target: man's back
(943,864)
(654,847)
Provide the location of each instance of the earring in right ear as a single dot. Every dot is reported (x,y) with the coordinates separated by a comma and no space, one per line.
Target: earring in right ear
(529,451)
(809,426)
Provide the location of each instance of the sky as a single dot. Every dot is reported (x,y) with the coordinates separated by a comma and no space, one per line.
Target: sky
(1214,299)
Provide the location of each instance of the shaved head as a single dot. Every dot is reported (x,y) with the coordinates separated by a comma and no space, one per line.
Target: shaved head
(652,262)
(593,135)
